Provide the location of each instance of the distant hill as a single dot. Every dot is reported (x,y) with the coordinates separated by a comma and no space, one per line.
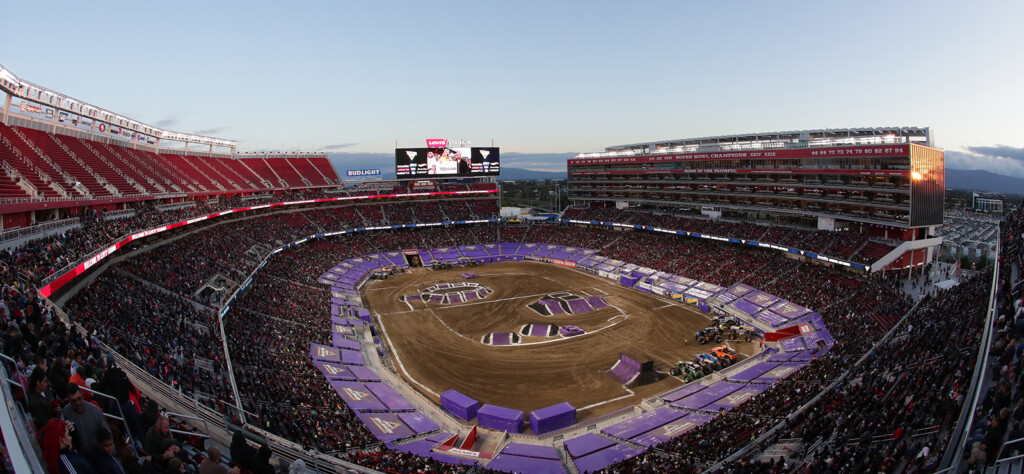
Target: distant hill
(983,181)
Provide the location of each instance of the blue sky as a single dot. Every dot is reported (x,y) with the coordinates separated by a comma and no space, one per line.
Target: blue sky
(539,78)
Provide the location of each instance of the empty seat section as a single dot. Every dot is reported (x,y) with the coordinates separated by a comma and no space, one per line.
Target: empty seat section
(308,171)
(103,169)
(260,167)
(194,176)
(121,159)
(202,164)
(326,168)
(170,172)
(245,173)
(286,171)
(66,163)
(9,142)
(219,166)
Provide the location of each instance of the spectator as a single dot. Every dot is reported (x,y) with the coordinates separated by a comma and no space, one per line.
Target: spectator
(88,419)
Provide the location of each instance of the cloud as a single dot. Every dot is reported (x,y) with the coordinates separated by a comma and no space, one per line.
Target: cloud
(1001,159)
(340,146)
(552,162)
(166,123)
(212,131)
(1001,151)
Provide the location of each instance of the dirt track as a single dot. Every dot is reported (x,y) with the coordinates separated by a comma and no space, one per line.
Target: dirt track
(439,345)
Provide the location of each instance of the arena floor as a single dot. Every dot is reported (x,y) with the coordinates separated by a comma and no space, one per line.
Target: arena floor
(438,346)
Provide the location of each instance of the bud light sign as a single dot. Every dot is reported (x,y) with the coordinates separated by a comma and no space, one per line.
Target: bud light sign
(358,173)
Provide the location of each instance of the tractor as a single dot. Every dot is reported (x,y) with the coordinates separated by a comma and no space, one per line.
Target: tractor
(708,334)
(688,369)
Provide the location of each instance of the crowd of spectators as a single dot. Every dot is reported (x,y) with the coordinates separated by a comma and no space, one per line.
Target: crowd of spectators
(140,309)
(845,245)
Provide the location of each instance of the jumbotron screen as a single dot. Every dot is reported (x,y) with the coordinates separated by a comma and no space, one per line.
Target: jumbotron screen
(455,162)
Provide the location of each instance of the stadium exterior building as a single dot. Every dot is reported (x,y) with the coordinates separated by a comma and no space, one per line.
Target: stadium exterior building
(887,182)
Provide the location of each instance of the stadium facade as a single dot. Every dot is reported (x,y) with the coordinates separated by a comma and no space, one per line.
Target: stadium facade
(886,182)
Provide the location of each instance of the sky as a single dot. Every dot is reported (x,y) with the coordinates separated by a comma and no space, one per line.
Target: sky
(542,80)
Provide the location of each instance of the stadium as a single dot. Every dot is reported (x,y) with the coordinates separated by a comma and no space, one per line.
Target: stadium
(741,303)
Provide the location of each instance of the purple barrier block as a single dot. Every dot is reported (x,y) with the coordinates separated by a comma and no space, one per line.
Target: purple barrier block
(671,430)
(772,319)
(357,396)
(352,357)
(683,392)
(343,329)
(784,370)
(419,423)
(420,448)
(746,306)
(363,374)
(511,463)
(449,459)
(340,321)
(793,344)
(389,397)
(807,355)
(583,445)
(707,396)
(571,330)
(736,398)
(531,451)
(628,280)
(752,372)
(324,353)
(336,371)
(580,305)
(738,290)
(343,343)
(459,405)
(761,298)
(782,357)
(604,457)
(788,310)
(385,426)
(643,423)
(500,418)
(552,418)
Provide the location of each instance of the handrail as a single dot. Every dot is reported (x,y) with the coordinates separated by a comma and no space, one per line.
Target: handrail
(956,446)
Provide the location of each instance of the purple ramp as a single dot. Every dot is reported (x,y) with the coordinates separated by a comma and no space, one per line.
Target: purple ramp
(752,372)
(643,423)
(580,305)
(772,319)
(531,451)
(807,355)
(357,396)
(583,445)
(761,298)
(500,418)
(552,418)
(511,463)
(459,405)
(788,310)
(391,399)
(707,396)
(793,344)
(782,371)
(540,330)
(324,353)
(671,430)
(597,302)
(604,457)
(736,398)
(352,357)
(501,338)
(420,448)
(385,426)
(363,373)
(336,371)
(418,422)
(343,343)
(683,392)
